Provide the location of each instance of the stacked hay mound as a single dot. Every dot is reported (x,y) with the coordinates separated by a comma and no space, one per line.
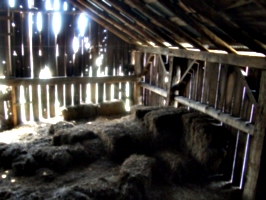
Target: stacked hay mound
(83,111)
(178,167)
(140,111)
(204,140)
(136,176)
(165,126)
(123,137)
(115,107)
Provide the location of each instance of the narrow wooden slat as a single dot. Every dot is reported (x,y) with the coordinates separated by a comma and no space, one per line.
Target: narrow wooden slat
(68,94)
(76,94)
(231,81)
(44,102)
(52,100)
(222,87)
(83,93)
(213,81)
(108,91)
(35,101)
(60,94)
(93,93)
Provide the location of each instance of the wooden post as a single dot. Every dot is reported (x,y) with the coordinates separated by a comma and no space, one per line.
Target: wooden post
(256,144)
(170,81)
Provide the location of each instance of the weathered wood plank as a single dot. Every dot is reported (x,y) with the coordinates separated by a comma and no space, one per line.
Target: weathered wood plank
(256,144)
(238,60)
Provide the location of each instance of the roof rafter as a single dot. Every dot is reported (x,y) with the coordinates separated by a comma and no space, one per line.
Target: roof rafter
(122,8)
(112,22)
(226,25)
(107,25)
(132,26)
(164,23)
(199,27)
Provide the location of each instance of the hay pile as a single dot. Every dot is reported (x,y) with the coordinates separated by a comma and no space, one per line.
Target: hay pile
(115,107)
(72,135)
(165,126)
(122,138)
(62,125)
(140,111)
(178,167)
(205,141)
(83,111)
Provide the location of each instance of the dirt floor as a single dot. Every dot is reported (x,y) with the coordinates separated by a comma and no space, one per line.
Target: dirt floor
(102,177)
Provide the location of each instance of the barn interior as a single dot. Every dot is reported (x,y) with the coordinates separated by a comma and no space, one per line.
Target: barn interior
(132,99)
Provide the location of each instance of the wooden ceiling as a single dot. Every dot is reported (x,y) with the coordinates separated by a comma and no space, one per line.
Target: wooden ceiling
(232,26)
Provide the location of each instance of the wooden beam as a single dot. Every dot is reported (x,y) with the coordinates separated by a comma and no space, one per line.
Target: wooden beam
(154,89)
(66,80)
(112,22)
(170,81)
(103,23)
(121,7)
(147,66)
(189,19)
(167,25)
(227,26)
(132,26)
(217,114)
(238,60)
(184,75)
(256,144)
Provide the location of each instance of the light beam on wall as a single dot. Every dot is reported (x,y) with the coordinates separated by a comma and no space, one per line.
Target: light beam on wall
(56,23)
(39,21)
(82,24)
(12,3)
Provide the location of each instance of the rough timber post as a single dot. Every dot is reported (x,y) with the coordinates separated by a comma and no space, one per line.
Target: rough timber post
(256,144)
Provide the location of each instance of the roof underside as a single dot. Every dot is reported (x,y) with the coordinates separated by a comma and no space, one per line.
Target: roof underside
(232,26)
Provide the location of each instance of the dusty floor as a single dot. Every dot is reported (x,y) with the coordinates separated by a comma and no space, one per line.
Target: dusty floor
(48,184)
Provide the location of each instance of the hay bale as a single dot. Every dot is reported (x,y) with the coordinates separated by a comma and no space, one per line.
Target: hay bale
(140,111)
(24,165)
(45,174)
(123,137)
(56,158)
(10,153)
(178,167)
(94,148)
(165,127)
(117,143)
(83,111)
(62,125)
(205,141)
(138,167)
(73,135)
(115,107)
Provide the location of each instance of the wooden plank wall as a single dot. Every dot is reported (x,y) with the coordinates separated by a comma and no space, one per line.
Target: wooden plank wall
(218,85)
(33,50)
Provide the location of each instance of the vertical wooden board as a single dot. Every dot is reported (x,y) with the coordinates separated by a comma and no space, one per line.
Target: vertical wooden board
(100,92)
(17,103)
(231,81)
(35,101)
(123,91)
(206,86)
(2,110)
(76,94)
(44,102)
(83,93)
(93,92)
(222,86)
(35,47)
(13,105)
(237,98)
(52,100)
(68,94)
(212,82)
(239,159)
(27,102)
(108,91)
(200,81)
(60,94)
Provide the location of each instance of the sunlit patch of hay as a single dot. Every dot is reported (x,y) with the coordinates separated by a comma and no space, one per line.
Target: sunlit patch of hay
(115,107)
(83,111)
